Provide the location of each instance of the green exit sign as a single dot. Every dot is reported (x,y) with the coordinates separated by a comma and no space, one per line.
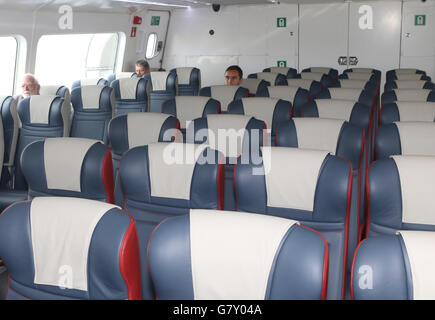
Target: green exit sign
(281,63)
(420,20)
(155,20)
(281,22)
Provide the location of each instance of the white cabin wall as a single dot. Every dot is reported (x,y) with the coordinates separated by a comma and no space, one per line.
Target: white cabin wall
(244,35)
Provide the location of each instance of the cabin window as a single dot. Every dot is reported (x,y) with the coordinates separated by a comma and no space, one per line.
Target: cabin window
(62,59)
(8,60)
(151,46)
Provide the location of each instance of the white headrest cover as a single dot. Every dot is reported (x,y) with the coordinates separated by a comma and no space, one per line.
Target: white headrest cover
(291,176)
(301,83)
(49,90)
(282,70)
(359,76)
(183,75)
(416,111)
(361,70)
(405,71)
(91,96)
(410,84)
(40,108)
(352,84)
(224,94)
(417,180)
(268,76)
(171,168)
(318,134)
(89,82)
(317,76)
(122,75)
(144,127)
(320,70)
(261,108)
(409,76)
(283,92)
(128,87)
(345,93)
(421,255)
(251,84)
(417,138)
(335,109)
(231,126)
(63,159)
(189,108)
(232,253)
(158,80)
(61,232)
(412,94)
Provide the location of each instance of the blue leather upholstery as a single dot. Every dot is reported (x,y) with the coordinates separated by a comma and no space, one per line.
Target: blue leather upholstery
(280,79)
(57,126)
(138,103)
(157,96)
(366,97)
(206,191)
(381,270)
(390,97)
(254,85)
(240,93)
(10,121)
(96,175)
(97,81)
(301,97)
(332,72)
(115,76)
(291,72)
(300,250)
(325,80)
(330,215)
(112,265)
(390,113)
(192,87)
(92,121)
(391,85)
(377,74)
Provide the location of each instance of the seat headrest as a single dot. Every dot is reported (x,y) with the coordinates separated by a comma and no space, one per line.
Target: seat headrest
(253,84)
(320,70)
(316,76)
(91,97)
(90,82)
(128,88)
(412,94)
(417,138)
(268,76)
(352,84)
(365,76)
(224,94)
(262,109)
(301,83)
(361,70)
(287,93)
(93,243)
(190,107)
(241,265)
(159,80)
(55,90)
(183,75)
(410,84)
(335,108)
(345,93)
(69,167)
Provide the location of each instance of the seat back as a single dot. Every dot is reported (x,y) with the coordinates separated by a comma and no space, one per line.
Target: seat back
(400,194)
(363,96)
(93,109)
(41,117)
(270,110)
(408,84)
(325,79)
(55,90)
(408,111)
(317,193)
(406,74)
(314,87)
(189,81)
(161,86)
(121,75)
(295,95)
(288,72)
(224,94)
(412,255)
(90,82)
(376,72)
(254,85)
(130,95)
(166,179)
(243,264)
(69,167)
(370,86)
(10,123)
(276,79)
(325,70)
(408,95)
(69,248)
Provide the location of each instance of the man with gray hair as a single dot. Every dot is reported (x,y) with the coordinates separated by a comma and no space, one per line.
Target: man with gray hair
(29,87)
(142,67)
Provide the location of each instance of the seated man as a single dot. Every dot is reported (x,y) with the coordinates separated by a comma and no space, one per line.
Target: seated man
(29,87)
(233,76)
(142,67)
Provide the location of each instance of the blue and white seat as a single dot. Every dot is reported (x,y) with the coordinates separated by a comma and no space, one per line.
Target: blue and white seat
(395,267)
(325,80)
(333,73)
(10,123)
(90,82)
(93,108)
(69,248)
(370,86)
(409,95)
(121,75)
(254,85)
(314,87)
(295,95)
(162,180)
(275,79)
(56,90)
(406,74)
(233,256)
(363,96)
(161,86)
(130,95)
(407,111)
(310,186)
(224,94)
(354,71)
(69,167)
(188,81)
(288,72)
(408,84)
(401,194)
